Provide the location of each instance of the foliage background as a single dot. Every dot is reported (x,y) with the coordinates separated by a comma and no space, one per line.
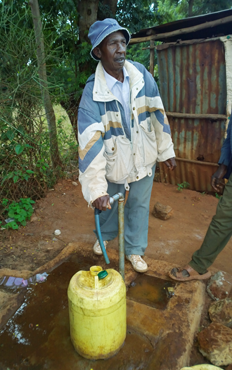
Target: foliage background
(26,170)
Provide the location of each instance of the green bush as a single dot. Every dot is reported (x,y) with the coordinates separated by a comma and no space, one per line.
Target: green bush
(19,212)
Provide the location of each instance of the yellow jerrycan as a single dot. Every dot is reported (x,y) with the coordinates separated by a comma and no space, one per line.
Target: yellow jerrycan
(97,312)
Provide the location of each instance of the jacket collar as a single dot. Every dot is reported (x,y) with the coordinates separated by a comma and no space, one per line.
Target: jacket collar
(100,88)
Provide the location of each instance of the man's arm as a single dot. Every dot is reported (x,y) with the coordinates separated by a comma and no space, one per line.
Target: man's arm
(226,147)
(171,164)
(102,203)
(91,149)
(217,181)
(160,122)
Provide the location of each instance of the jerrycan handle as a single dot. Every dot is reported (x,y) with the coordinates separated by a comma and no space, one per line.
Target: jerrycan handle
(96,282)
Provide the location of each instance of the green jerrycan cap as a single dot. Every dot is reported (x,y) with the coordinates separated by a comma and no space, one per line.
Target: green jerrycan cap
(102,274)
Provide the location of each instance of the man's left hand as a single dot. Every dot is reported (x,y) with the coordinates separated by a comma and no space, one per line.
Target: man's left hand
(171,164)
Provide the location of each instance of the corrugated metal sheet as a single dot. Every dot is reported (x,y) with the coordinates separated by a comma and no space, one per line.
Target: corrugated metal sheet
(197,175)
(193,80)
(187,23)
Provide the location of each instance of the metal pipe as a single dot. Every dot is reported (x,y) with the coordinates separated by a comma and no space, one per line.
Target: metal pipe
(121,247)
(116,197)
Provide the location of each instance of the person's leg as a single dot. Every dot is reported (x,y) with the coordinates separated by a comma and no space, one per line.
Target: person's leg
(218,234)
(109,218)
(137,215)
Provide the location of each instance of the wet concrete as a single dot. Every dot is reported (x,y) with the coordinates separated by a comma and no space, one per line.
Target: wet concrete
(150,291)
(37,336)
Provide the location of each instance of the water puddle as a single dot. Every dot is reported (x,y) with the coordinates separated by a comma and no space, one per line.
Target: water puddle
(37,336)
(151,291)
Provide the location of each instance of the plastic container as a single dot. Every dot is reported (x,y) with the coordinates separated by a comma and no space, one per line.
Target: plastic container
(97,312)
(15,283)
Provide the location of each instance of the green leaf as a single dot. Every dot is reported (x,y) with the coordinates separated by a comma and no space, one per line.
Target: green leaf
(12,225)
(5,201)
(21,130)
(19,149)
(10,134)
(29,171)
(22,212)
(15,179)
(12,214)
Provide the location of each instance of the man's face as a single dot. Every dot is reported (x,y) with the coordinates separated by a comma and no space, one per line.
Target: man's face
(112,52)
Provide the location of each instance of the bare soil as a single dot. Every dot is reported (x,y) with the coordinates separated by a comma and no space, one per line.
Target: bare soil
(64,208)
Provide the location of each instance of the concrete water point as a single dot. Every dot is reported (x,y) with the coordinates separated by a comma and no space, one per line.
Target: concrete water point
(160,327)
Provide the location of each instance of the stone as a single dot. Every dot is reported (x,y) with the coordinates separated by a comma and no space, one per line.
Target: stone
(74,183)
(161,211)
(221,311)
(215,343)
(34,218)
(202,367)
(57,232)
(220,285)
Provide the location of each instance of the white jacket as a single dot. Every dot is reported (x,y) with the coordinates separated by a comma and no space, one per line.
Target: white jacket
(105,152)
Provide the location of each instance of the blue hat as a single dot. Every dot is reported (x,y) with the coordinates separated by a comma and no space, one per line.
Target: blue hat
(101,29)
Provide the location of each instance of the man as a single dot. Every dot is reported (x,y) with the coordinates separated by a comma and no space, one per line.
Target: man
(220,228)
(123,131)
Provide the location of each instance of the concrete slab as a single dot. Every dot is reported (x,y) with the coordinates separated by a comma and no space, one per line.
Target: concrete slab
(157,339)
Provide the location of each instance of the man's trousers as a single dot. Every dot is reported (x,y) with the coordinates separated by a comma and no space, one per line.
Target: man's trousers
(136,215)
(218,234)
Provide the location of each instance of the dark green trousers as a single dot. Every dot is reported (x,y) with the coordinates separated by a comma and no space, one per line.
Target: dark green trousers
(218,233)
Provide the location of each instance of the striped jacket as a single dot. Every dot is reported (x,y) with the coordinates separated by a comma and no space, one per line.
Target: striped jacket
(106,149)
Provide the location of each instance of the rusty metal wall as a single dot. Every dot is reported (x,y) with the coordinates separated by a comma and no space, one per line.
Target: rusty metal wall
(193,80)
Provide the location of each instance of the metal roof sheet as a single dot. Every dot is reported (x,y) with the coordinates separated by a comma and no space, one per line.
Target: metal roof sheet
(218,30)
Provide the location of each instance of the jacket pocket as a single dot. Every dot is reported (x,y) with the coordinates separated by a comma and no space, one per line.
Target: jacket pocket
(148,141)
(119,164)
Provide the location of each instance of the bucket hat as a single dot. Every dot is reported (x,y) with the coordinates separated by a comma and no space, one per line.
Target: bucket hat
(101,29)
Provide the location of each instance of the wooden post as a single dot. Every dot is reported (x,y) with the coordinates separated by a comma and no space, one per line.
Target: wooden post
(152,57)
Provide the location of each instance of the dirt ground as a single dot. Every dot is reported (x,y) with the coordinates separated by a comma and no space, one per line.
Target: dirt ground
(64,208)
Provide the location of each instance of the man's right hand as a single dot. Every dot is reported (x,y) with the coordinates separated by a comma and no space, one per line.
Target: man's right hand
(217,180)
(102,203)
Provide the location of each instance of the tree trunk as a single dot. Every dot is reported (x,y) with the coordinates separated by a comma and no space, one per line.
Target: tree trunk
(87,16)
(190,8)
(112,7)
(71,108)
(51,119)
